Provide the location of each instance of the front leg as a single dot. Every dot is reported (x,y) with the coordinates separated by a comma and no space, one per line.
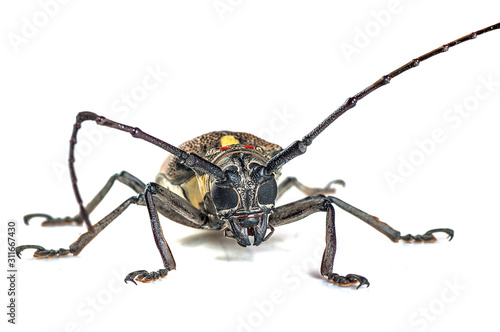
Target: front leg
(161,244)
(300,209)
(329,254)
(174,207)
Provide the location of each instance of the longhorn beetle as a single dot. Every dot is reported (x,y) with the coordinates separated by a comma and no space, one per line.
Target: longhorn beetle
(227,181)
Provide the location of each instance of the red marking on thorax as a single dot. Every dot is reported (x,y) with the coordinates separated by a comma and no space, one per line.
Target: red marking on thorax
(246,146)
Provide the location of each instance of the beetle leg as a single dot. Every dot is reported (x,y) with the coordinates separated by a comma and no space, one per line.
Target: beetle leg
(290,182)
(387,230)
(300,209)
(158,198)
(124,177)
(155,197)
(329,254)
(76,247)
(171,209)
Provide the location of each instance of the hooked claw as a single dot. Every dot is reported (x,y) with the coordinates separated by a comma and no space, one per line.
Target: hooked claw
(41,252)
(51,221)
(428,236)
(145,276)
(348,280)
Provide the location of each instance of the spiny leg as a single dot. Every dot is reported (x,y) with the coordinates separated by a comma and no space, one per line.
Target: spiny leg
(85,239)
(329,255)
(124,177)
(161,244)
(298,210)
(168,203)
(184,213)
(76,247)
(387,230)
(290,182)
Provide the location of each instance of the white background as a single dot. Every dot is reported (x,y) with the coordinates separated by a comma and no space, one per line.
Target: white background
(237,70)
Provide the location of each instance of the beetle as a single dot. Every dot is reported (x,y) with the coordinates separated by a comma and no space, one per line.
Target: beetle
(228,181)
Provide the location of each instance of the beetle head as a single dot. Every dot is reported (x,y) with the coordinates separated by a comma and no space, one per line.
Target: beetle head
(245,198)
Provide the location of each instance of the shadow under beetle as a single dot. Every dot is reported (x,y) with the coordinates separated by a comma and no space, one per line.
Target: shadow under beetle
(227,181)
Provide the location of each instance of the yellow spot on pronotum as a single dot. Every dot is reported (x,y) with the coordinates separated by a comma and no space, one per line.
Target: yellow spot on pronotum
(228,140)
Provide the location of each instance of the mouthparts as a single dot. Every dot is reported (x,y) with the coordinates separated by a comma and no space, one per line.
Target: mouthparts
(244,226)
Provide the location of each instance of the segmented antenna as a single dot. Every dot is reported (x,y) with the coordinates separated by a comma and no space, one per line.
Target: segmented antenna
(190,160)
(299,147)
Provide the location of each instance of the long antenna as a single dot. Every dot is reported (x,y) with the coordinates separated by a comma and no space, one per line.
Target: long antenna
(299,147)
(190,160)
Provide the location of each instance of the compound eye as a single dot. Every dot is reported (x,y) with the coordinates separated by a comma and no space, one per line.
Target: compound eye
(224,198)
(267,192)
